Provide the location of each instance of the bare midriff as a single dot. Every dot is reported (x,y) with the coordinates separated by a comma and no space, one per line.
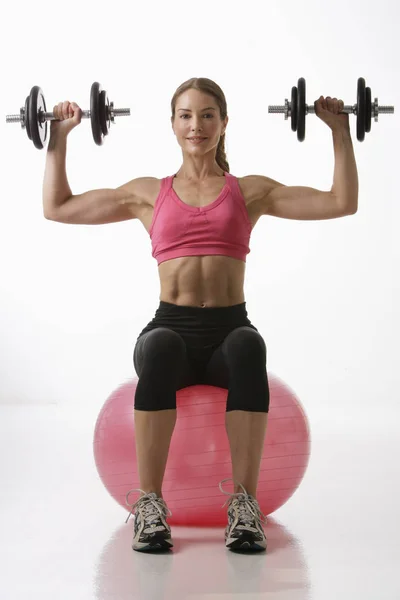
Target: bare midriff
(203,281)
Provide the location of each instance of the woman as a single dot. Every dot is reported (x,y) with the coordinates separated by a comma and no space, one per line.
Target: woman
(200,221)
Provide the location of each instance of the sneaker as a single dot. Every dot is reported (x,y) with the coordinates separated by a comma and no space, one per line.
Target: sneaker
(244,530)
(151,530)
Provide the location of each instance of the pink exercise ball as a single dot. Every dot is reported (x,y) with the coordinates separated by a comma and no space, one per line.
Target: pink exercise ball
(199,456)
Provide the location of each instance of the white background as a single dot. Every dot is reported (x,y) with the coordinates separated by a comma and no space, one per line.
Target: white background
(324,294)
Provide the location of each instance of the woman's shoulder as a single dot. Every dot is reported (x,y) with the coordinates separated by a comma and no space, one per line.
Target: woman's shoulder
(144,189)
(256,187)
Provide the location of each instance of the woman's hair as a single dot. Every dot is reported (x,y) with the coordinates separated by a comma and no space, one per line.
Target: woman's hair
(212,89)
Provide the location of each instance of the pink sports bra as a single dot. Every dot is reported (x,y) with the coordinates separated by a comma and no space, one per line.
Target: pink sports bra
(222,227)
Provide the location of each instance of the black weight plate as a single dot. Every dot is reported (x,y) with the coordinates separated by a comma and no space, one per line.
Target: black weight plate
(43,123)
(301,109)
(28,129)
(293,110)
(368,109)
(361,109)
(103,105)
(37,126)
(95,113)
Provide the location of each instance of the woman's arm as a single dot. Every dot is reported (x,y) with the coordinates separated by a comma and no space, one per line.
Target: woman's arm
(345,177)
(306,203)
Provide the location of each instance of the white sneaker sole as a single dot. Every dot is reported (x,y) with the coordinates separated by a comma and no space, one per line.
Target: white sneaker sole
(245,544)
(155,545)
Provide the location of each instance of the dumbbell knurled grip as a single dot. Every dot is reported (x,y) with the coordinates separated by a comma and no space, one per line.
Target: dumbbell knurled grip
(350,110)
(49,116)
(309,109)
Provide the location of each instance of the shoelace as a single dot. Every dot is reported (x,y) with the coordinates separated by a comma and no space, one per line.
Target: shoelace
(151,507)
(246,504)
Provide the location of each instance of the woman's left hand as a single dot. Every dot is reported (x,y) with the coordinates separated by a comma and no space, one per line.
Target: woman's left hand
(328,110)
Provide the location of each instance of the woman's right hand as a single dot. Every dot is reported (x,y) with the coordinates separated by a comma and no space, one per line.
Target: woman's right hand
(68,115)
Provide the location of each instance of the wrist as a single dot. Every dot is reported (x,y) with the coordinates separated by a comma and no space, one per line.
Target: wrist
(341,131)
(57,139)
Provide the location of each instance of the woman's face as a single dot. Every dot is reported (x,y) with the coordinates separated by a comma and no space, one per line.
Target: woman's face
(197,114)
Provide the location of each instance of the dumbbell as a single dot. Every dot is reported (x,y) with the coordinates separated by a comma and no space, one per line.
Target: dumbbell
(297,109)
(34,117)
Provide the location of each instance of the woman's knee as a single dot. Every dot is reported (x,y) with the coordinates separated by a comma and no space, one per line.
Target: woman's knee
(162,348)
(246,356)
(158,362)
(245,345)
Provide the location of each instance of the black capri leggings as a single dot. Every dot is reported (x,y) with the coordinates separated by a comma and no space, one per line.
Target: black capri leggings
(185,345)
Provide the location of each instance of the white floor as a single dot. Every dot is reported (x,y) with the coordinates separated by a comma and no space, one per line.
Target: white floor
(62,537)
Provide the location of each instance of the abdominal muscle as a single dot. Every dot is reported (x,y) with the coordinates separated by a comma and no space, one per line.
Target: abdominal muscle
(204,281)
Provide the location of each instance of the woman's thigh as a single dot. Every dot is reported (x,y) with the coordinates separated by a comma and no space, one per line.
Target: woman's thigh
(233,355)
(239,365)
(161,353)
